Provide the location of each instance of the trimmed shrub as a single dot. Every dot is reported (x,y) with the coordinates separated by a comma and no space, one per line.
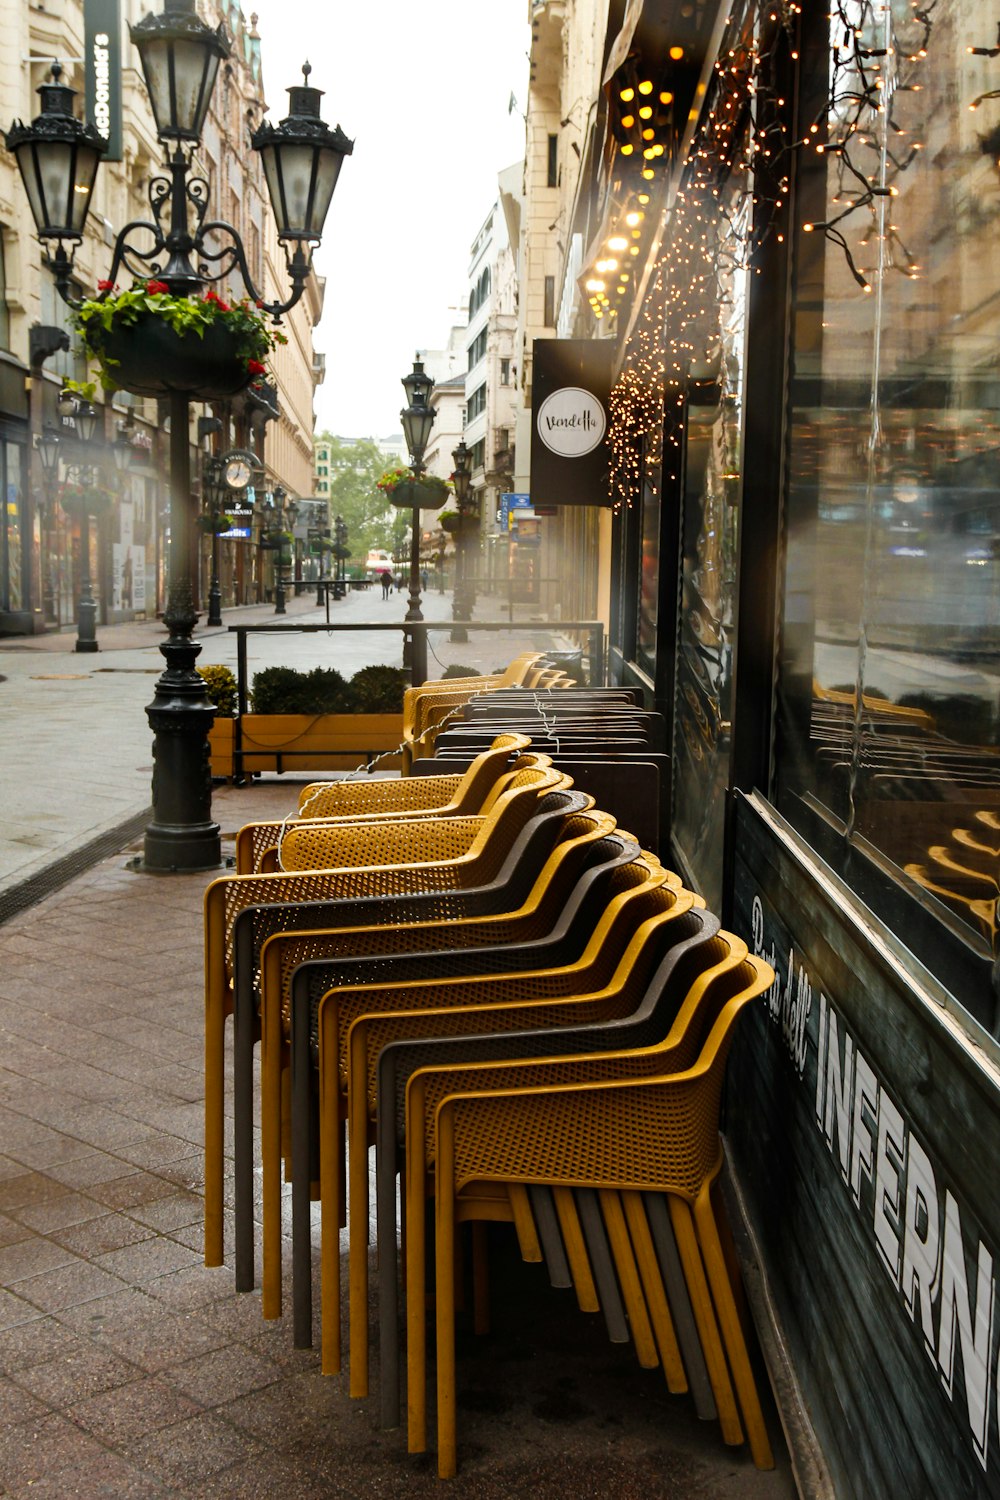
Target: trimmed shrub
(283,690)
(222,689)
(378,690)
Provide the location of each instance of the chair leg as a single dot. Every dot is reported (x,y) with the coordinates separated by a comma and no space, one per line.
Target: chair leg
(604,1271)
(544,1214)
(708,1330)
(444,1254)
(628,1278)
(656,1301)
(416,1276)
(214,1137)
(244,1037)
(732,1332)
(672,1273)
(388,1268)
(524,1223)
(576,1250)
(302,1085)
(357,1217)
(331,1149)
(272,1058)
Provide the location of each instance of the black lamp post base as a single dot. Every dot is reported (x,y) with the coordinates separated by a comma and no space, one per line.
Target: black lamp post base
(182,836)
(86,645)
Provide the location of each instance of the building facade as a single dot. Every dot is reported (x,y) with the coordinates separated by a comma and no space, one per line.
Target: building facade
(41,565)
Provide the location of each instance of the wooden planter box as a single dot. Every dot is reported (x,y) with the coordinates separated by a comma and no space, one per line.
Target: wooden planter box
(317,742)
(220,744)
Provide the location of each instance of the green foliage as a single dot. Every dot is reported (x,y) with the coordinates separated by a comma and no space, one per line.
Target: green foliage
(457,670)
(283,690)
(354,471)
(372,690)
(379,690)
(97,317)
(222,689)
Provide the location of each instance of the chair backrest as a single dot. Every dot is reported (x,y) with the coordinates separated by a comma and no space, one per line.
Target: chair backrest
(314,846)
(580,879)
(689,953)
(320,798)
(350,897)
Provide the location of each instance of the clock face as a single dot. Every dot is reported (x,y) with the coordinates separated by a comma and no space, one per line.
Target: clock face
(238,473)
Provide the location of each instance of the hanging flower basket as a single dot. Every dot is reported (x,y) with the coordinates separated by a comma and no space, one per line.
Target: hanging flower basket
(152,343)
(400,488)
(458,525)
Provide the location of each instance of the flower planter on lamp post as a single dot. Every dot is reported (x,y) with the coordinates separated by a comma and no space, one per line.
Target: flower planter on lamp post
(184,252)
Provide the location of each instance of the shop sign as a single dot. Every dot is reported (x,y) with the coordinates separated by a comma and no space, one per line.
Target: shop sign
(570,386)
(103,72)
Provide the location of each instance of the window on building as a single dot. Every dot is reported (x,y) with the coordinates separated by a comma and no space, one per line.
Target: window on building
(479,454)
(70,364)
(477,349)
(477,402)
(552,179)
(549,310)
(505,372)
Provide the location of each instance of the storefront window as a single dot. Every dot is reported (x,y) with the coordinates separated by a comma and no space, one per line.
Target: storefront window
(708,554)
(889,682)
(12,533)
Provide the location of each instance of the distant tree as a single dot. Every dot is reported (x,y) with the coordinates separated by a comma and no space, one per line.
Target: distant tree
(354,470)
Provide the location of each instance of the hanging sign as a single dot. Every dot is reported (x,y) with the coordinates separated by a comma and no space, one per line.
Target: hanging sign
(102,30)
(570,385)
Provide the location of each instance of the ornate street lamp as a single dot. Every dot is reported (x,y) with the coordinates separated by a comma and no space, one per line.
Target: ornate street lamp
(340,554)
(417,418)
(180,246)
(461,479)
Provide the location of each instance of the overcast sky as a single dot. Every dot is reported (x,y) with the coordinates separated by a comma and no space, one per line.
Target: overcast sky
(422,87)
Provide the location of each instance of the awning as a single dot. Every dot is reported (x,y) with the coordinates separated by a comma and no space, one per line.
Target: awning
(622,44)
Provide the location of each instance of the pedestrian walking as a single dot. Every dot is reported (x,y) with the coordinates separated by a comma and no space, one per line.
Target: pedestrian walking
(424,580)
(399,583)
(385,578)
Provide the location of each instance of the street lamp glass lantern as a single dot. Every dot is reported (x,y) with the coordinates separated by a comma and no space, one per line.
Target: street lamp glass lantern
(417,385)
(302,158)
(85,420)
(462,476)
(58,157)
(47,445)
(180,58)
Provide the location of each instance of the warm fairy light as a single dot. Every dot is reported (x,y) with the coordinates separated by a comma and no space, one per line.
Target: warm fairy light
(676,53)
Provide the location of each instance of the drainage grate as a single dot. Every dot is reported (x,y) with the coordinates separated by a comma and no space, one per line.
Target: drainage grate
(19,897)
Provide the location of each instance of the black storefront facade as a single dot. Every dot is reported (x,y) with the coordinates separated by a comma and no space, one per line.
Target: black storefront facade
(804,445)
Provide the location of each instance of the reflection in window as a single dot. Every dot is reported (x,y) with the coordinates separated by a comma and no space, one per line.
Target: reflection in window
(889,690)
(709,515)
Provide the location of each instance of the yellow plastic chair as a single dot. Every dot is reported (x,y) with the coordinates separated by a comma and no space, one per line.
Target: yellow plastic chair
(468,795)
(654,1136)
(725,975)
(325,863)
(604,981)
(284,952)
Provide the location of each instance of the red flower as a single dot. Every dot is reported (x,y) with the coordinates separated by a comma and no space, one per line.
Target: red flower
(152,287)
(105,286)
(255,367)
(211,296)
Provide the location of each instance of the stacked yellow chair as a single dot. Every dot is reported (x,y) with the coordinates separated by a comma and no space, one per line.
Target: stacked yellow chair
(638,1129)
(324,862)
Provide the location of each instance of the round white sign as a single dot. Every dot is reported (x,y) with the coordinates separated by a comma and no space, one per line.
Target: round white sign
(571,422)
